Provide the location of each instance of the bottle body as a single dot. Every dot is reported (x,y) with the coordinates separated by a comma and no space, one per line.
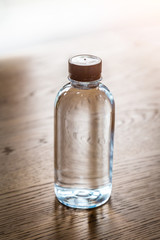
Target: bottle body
(84,129)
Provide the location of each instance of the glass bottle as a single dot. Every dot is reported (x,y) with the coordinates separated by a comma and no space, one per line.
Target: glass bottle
(83,136)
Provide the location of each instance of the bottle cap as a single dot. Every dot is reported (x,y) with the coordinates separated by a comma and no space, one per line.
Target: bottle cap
(85,68)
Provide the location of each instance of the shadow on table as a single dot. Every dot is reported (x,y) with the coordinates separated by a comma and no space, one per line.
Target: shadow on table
(77,224)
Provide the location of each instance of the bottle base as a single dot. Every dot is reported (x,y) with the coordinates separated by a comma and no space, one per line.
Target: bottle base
(83,198)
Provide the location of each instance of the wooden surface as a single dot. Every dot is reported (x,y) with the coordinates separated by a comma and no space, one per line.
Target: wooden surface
(28,86)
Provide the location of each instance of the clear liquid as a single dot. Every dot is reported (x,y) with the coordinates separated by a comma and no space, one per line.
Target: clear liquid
(84,120)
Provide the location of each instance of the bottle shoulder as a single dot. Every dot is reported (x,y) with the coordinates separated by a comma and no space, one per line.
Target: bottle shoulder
(62,92)
(104,89)
(69,93)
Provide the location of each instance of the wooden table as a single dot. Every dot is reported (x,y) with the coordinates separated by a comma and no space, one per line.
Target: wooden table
(28,86)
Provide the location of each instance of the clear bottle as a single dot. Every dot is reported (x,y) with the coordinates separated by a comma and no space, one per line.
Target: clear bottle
(83,136)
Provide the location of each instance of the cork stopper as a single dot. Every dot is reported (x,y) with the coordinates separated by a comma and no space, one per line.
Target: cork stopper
(85,68)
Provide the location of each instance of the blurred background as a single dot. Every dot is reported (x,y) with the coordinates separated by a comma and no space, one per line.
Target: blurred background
(25,24)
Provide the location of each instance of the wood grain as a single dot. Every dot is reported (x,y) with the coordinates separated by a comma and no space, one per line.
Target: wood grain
(28,86)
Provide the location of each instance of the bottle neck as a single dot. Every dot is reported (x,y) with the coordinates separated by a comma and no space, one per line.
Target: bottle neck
(84,85)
